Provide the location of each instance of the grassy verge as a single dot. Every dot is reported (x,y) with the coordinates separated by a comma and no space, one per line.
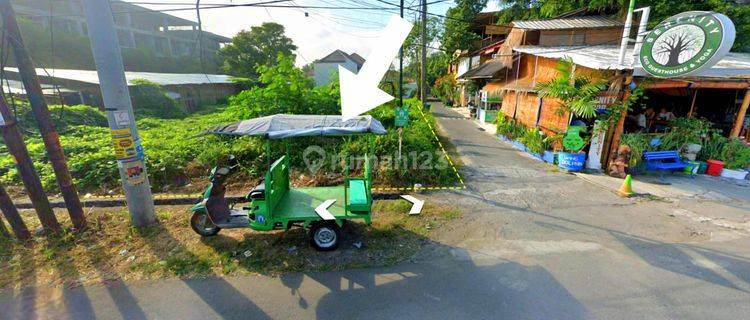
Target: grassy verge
(110,249)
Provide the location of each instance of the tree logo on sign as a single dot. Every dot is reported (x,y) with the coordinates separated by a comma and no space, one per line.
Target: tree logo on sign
(686,44)
(678,45)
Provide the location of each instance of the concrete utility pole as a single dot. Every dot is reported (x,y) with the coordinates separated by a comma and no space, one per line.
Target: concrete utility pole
(117,104)
(11,214)
(401,67)
(423,71)
(25,166)
(41,113)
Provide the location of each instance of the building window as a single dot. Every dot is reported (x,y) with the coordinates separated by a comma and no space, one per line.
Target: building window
(125,38)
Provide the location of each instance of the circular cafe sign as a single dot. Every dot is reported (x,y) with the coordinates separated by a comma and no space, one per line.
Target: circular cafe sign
(686,44)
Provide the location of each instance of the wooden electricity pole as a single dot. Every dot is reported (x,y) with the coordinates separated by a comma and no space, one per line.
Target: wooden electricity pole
(16,147)
(11,214)
(41,113)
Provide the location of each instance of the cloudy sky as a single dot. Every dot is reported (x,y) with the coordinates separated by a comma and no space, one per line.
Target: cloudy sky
(315,34)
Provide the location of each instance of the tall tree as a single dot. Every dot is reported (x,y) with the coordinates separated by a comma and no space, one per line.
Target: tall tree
(457,33)
(258,47)
(660,10)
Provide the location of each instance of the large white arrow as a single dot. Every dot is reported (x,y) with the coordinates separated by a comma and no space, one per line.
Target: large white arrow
(322,210)
(417,204)
(360,92)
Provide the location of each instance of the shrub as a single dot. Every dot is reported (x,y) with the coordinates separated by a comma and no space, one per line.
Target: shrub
(735,154)
(151,100)
(684,131)
(284,89)
(712,147)
(175,155)
(534,140)
(638,143)
(445,89)
(63,116)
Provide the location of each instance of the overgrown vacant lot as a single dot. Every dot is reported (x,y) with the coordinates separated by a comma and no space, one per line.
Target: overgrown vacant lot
(110,249)
(178,158)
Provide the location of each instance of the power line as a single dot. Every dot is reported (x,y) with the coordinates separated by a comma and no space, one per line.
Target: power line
(267,4)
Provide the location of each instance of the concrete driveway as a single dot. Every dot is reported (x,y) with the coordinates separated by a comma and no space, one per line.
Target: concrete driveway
(534,244)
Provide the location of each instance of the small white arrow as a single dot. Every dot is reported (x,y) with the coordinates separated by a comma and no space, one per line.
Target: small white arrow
(360,92)
(416,208)
(322,210)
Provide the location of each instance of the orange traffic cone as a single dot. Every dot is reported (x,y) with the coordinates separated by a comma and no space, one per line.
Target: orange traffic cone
(626,190)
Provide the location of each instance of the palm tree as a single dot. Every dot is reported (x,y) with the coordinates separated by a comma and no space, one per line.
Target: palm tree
(577,93)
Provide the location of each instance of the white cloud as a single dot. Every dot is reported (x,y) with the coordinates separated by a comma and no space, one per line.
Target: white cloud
(318,33)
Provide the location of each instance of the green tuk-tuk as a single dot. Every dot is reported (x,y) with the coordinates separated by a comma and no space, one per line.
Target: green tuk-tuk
(274,204)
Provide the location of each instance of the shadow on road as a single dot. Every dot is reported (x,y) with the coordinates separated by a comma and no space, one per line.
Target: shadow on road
(220,296)
(665,256)
(448,290)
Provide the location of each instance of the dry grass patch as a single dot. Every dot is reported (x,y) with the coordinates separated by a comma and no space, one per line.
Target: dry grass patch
(110,249)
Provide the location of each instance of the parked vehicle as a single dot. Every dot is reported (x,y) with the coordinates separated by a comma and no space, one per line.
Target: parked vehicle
(274,204)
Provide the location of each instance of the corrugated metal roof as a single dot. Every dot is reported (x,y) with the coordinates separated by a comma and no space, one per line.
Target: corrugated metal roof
(733,65)
(90,76)
(586,22)
(16,87)
(603,57)
(485,70)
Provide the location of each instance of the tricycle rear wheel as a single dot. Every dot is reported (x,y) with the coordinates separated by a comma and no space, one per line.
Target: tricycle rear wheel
(325,236)
(202,225)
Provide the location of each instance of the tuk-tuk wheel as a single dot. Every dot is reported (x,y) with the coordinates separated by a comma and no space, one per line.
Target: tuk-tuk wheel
(202,225)
(325,236)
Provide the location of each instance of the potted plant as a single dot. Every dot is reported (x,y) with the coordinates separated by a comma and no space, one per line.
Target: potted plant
(534,142)
(578,95)
(713,147)
(572,158)
(552,145)
(736,156)
(686,135)
(638,144)
(503,127)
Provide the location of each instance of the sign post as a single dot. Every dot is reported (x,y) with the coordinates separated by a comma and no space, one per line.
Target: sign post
(401,120)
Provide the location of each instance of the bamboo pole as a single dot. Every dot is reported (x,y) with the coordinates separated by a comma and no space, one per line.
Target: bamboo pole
(617,135)
(25,166)
(41,113)
(11,214)
(740,115)
(692,104)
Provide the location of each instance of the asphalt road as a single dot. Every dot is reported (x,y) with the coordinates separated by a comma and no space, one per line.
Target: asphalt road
(534,244)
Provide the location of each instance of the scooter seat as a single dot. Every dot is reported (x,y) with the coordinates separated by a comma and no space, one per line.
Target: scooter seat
(259,192)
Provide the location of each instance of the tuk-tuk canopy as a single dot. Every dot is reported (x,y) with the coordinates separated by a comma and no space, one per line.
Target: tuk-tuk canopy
(294,125)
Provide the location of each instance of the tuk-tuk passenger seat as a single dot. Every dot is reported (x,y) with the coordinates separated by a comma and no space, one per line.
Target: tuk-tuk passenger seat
(259,192)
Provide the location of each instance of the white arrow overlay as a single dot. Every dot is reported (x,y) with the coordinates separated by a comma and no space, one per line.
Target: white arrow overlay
(360,92)
(322,210)
(416,208)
